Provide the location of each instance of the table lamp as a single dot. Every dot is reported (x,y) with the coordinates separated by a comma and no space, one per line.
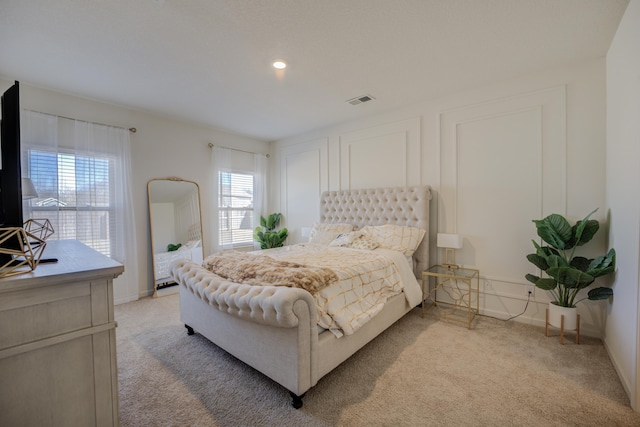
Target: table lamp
(28,189)
(450,242)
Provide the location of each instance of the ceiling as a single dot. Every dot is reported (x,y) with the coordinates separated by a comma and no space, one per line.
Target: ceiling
(209,61)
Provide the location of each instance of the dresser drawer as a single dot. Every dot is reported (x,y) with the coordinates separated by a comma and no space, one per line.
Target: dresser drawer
(52,310)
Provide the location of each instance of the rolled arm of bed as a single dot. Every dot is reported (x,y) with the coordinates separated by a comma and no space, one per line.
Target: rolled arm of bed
(270,305)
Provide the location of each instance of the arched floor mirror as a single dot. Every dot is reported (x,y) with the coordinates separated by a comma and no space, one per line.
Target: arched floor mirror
(175,218)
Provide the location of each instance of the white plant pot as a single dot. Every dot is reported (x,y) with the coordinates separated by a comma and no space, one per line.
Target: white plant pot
(570,316)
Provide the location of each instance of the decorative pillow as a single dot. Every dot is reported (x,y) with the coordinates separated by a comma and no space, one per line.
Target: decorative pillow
(396,237)
(364,243)
(345,239)
(324,234)
(192,244)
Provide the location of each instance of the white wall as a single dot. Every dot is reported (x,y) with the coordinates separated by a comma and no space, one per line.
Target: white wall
(496,157)
(161,147)
(622,336)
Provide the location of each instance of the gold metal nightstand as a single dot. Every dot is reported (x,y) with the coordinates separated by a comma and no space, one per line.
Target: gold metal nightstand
(459,293)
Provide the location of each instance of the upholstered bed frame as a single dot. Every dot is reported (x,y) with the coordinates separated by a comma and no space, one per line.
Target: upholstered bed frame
(273,329)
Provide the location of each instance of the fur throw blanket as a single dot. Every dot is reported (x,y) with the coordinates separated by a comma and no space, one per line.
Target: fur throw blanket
(241,267)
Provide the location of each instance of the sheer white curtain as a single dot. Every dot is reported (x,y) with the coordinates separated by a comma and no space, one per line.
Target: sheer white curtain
(82,173)
(220,161)
(259,191)
(244,197)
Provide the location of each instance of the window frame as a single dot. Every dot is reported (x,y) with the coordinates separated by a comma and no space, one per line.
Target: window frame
(110,209)
(245,244)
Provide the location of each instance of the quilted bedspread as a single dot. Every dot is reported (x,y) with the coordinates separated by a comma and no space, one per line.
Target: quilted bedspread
(366,280)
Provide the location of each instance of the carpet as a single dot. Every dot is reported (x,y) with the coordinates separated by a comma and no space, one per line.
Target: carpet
(420,371)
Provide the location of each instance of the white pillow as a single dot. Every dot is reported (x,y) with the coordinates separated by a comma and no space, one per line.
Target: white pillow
(324,234)
(396,237)
(192,244)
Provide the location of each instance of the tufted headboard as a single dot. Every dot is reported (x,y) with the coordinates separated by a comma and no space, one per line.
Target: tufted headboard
(378,206)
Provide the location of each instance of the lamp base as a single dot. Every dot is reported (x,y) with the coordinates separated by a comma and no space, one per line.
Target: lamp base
(449,259)
(449,266)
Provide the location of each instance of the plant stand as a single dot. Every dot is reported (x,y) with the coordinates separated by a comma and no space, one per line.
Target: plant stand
(546,330)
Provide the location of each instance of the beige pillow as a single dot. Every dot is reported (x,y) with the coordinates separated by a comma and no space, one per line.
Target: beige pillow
(324,234)
(364,243)
(396,237)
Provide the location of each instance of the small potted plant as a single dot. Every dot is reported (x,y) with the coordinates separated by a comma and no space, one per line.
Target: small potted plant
(266,233)
(566,273)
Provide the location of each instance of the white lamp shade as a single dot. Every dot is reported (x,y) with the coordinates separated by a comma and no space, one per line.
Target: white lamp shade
(28,189)
(453,241)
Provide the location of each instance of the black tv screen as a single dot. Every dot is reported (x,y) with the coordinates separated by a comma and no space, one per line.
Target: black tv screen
(11,172)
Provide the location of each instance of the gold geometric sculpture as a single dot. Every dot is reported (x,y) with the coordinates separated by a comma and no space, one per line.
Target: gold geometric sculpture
(40,228)
(32,242)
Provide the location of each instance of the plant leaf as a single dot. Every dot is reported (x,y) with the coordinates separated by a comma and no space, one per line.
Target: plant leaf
(581,263)
(590,228)
(546,284)
(603,261)
(570,277)
(276,219)
(600,293)
(584,230)
(270,221)
(538,261)
(556,261)
(555,230)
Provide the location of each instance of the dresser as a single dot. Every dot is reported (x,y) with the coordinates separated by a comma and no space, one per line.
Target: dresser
(57,341)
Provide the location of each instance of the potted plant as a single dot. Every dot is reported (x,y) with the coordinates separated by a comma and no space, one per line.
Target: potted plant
(266,233)
(567,273)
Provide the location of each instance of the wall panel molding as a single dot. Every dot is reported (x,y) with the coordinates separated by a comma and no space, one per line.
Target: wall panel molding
(507,155)
(381,156)
(303,177)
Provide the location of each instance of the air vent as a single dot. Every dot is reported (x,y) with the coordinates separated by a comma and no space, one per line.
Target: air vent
(360,99)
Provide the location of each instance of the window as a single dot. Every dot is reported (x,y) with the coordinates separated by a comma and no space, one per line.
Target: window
(74,194)
(235,209)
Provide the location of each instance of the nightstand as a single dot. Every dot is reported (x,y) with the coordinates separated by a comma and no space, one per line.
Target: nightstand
(451,293)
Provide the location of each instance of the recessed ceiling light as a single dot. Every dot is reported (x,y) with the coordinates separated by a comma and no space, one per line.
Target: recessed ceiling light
(279,64)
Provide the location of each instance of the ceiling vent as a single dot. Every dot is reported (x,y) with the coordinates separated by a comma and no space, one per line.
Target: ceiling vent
(360,99)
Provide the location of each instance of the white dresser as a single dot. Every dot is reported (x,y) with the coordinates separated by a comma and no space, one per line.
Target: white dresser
(58,343)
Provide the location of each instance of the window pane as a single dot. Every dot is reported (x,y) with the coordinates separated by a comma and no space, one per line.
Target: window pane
(235,201)
(74,194)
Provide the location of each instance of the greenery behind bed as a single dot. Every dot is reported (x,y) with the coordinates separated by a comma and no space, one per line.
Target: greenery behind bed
(266,233)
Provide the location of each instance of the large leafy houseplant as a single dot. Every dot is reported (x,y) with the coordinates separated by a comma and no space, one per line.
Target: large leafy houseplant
(266,233)
(568,274)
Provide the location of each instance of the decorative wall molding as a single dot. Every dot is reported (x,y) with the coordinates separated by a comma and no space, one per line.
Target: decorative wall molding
(382,156)
(303,177)
(506,154)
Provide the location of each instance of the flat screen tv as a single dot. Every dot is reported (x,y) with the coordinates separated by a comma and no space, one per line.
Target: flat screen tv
(10,172)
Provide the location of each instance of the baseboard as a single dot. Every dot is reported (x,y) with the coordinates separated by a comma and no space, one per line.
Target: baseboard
(535,313)
(626,382)
(125,300)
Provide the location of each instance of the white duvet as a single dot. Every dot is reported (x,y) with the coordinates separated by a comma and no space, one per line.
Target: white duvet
(366,280)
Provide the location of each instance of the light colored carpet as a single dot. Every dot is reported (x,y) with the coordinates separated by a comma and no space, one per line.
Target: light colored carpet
(418,372)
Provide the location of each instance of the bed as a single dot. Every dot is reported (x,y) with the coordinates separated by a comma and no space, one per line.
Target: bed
(275,329)
(162,260)
(191,249)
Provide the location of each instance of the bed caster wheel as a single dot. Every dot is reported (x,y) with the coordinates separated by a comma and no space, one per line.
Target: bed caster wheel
(296,401)
(189,330)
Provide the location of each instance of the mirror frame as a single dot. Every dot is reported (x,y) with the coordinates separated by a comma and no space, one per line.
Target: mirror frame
(149,201)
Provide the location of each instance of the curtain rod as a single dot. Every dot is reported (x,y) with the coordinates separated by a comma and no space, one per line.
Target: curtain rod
(132,130)
(236,149)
